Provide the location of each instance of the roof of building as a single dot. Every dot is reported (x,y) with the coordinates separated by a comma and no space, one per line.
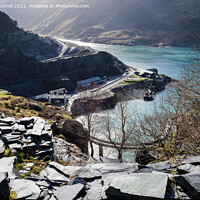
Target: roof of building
(153,69)
(90,80)
(60,90)
(143,71)
(41,96)
(46,96)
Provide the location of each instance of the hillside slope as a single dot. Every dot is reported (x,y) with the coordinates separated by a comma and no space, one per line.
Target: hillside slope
(31,64)
(131,22)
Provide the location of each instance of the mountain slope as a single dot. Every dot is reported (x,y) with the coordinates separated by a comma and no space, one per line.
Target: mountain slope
(31,64)
(130,22)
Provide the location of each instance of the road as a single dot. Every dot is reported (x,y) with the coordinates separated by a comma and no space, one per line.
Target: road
(99,90)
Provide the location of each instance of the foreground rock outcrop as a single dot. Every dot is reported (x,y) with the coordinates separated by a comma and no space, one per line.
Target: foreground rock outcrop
(104,181)
(32,135)
(35,165)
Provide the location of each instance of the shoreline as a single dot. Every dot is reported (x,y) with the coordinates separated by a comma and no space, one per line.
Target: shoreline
(85,42)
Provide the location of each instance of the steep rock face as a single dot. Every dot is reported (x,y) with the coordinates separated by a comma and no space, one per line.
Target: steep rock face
(79,68)
(26,57)
(15,41)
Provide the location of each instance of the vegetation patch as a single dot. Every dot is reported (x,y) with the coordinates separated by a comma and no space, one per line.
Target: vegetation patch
(13,195)
(19,107)
(135,76)
(134,80)
(8,153)
(4,94)
(38,164)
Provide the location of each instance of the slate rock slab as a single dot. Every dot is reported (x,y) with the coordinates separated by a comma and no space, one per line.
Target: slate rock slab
(43,183)
(4,187)
(105,168)
(147,170)
(8,120)
(192,160)
(67,170)
(25,189)
(76,181)
(140,185)
(6,165)
(6,129)
(160,166)
(19,127)
(53,175)
(45,151)
(88,172)
(109,160)
(95,191)
(106,180)
(38,127)
(68,192)
(26,120)
(9,138)
(193,180)
(188,168)
(15,146)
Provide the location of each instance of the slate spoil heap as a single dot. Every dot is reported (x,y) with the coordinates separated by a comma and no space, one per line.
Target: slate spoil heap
(77,177)
(30,134)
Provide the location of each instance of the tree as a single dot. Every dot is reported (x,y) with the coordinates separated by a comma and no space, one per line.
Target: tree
(90,103)
(188,91)
(120,125)
(175,126)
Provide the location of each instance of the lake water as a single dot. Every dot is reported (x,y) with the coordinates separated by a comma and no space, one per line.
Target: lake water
(168,60)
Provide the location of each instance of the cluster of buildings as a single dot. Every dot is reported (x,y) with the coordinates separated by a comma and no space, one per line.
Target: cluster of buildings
(58,97)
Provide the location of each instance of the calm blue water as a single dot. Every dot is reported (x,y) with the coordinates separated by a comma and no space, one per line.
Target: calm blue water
(168,60)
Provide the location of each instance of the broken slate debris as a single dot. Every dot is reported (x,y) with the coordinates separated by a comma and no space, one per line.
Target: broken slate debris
(77,177)
(68,153)
(25,189)
(54,176)
(99,181)
(68,192)
(95,191)
(32,135)
(6,165)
